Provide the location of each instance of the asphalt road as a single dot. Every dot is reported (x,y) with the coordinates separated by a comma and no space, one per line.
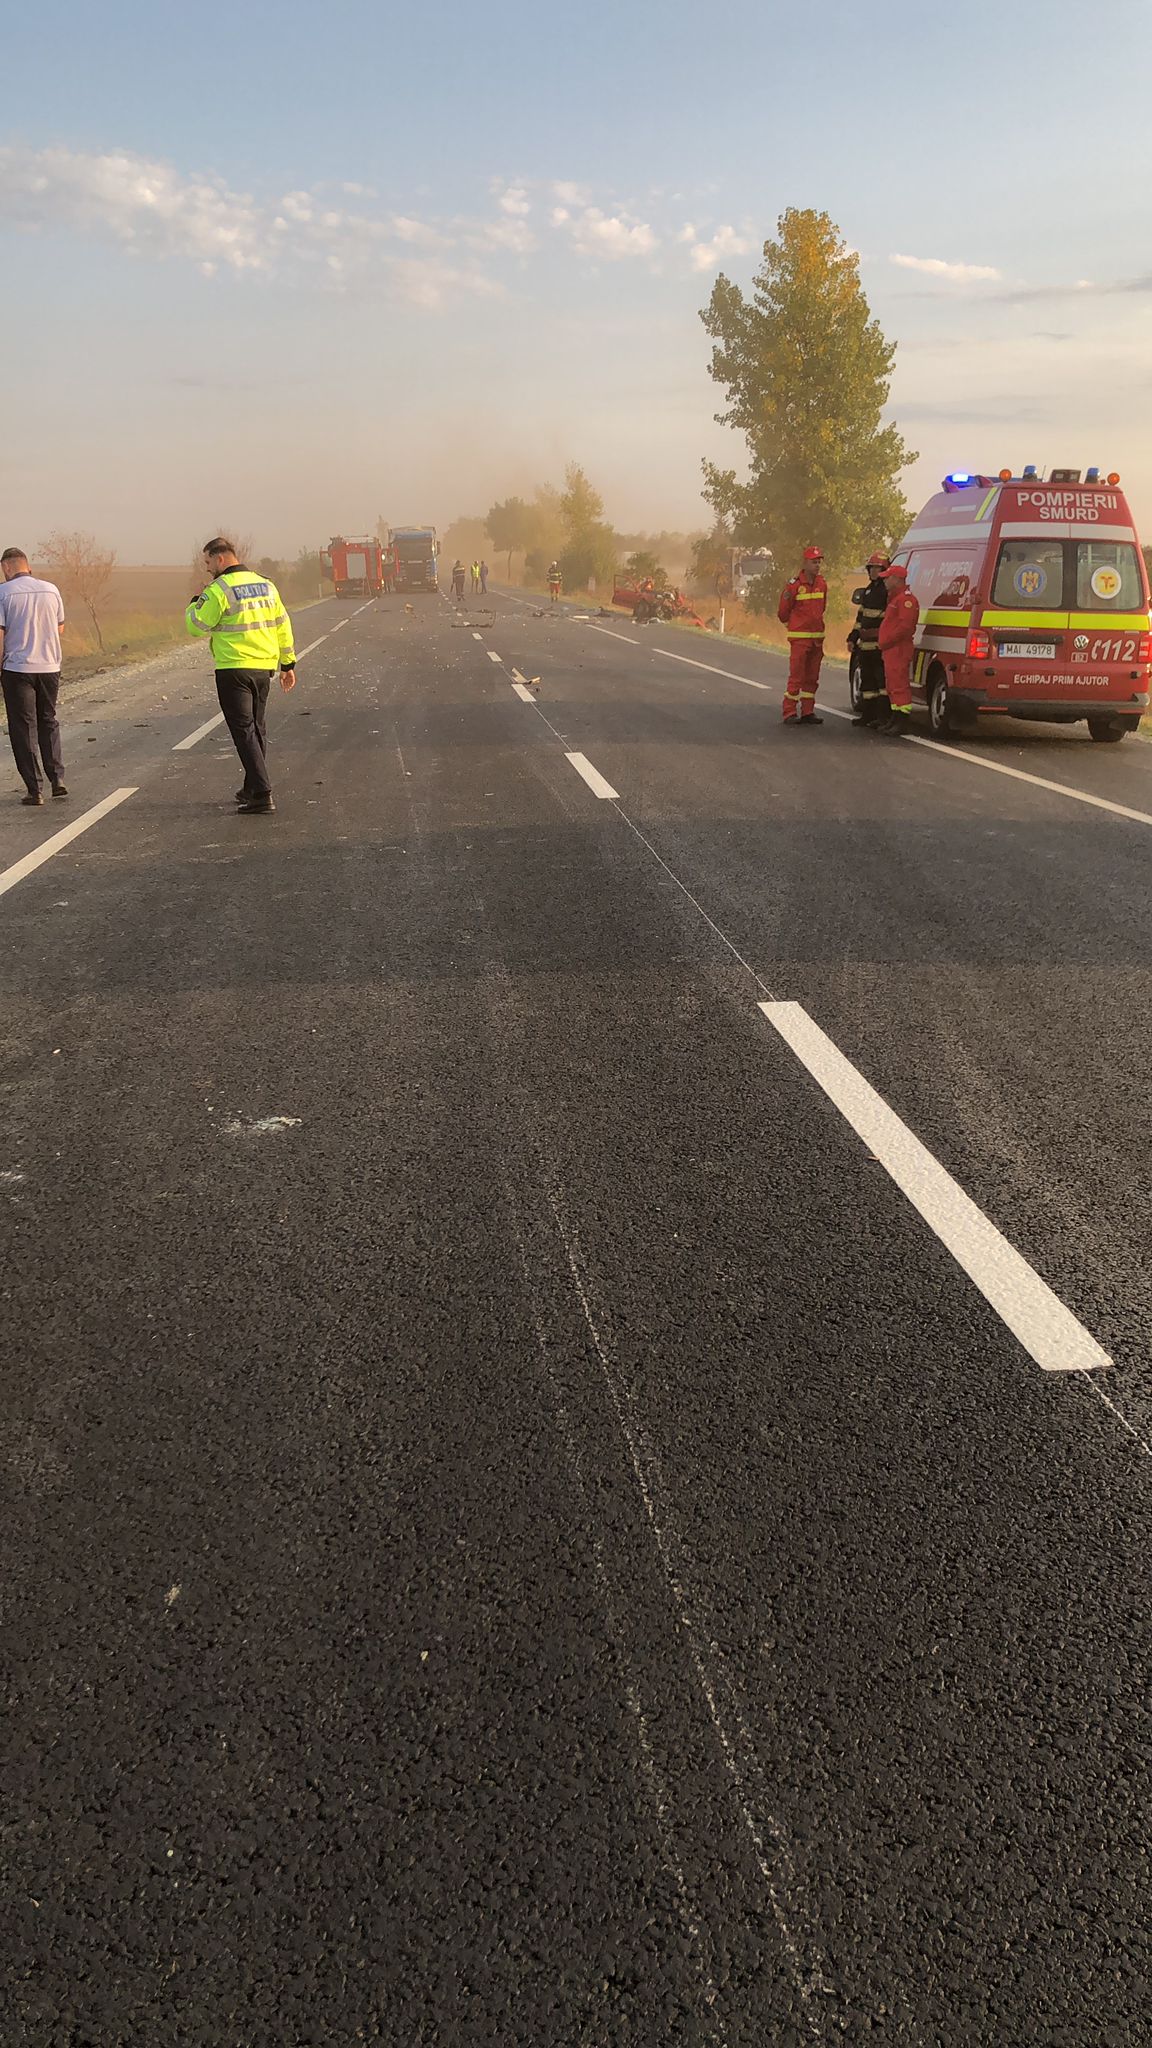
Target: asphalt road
(522,1525)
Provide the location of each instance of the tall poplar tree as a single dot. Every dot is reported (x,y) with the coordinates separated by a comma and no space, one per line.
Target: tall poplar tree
(806,370)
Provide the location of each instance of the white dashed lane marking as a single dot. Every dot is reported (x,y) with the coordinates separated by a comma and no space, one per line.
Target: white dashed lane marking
(592,777)
(59,840)
(1049,1332)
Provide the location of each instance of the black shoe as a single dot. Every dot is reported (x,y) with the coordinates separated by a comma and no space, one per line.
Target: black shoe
(895,727)
(245,796)
(811,718)
(257,806)
(865,718)
(32,801)
(59,789)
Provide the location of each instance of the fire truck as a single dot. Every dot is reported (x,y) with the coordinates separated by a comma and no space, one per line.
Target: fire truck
(355,567)
(1033,603)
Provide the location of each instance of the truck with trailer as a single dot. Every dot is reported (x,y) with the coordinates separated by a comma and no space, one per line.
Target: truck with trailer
(414,550)
(354,567)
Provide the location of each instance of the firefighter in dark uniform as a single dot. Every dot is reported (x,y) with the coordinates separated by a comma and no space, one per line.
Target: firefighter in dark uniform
(864,641)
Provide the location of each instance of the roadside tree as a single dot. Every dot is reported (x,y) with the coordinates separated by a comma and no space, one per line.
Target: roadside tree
(512,527)
(84,570)
(806,371)
(644,563)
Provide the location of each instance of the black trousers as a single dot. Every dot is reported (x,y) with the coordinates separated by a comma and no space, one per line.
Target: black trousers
(873,697)
(243,694)
(30,702)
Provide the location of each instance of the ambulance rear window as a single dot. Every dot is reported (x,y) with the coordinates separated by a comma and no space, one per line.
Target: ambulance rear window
(1107,577)
(1030,576)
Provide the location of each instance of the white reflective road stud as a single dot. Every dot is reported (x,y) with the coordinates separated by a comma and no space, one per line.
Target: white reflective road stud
(1049,1332)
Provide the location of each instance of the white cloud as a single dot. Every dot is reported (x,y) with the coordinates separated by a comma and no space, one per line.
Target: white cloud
(515,200)
(139,203)
(569,194)
(935,266)
(513,235)
(725,242)
(425,282)
(151,209)
(609,234)
(419,232)
(687,232)
(559,215)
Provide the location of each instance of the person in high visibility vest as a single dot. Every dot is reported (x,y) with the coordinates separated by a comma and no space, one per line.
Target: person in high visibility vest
(250,634)
(554,582)
(864,641)
(897,637)
(801,613)
(475,575)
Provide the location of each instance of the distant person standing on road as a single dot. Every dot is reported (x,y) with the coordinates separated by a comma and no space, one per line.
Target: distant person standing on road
(31,621)
(251,636)
(554,582)
(801,613)
(475,575)
(458,580)
(484,579)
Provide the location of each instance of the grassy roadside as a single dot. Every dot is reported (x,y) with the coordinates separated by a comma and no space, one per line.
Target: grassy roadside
(131,638)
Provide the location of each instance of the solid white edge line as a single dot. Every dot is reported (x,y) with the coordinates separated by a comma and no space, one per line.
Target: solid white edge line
(1049,1332)
(951,753)
(687,659)
(523,691)
(200,733)
(40,854)
(592,777)
(312,644)
(1078,796)
(496,657)
(339,623)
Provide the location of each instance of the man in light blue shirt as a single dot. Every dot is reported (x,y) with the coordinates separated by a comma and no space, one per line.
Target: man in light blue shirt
(31,620)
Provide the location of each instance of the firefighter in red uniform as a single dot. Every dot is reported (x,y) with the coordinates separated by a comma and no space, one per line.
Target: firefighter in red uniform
(897,639)
(801,612)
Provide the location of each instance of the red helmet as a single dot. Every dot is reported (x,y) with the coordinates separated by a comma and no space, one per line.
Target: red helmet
(877,559)
(813,554)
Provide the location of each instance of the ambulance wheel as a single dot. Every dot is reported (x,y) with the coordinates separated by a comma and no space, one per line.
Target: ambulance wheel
(940,714)
(1109,730)
(855,684)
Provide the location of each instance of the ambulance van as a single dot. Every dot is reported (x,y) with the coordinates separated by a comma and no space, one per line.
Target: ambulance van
(1033,603)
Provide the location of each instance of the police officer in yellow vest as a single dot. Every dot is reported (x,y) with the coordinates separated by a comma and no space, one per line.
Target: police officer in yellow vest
(251,637)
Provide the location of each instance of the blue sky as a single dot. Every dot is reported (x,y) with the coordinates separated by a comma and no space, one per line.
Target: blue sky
(289,267)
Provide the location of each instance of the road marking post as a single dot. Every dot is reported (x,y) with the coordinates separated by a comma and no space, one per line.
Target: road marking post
(1049,1332)
(59,840)
(592,777)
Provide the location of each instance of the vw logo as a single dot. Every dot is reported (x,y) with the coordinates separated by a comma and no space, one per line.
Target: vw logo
(1081,641)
